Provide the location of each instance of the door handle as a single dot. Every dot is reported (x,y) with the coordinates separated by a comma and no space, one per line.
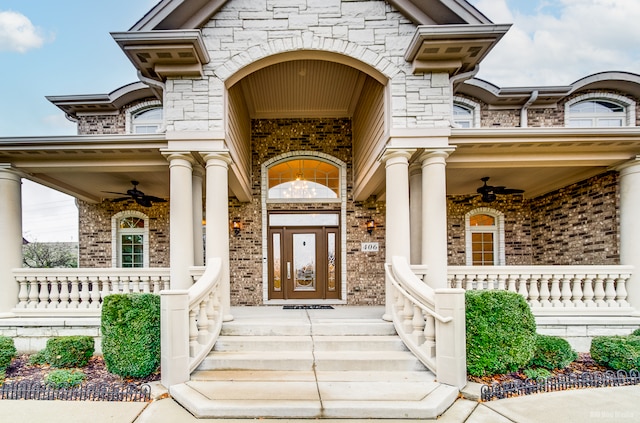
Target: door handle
(288,270)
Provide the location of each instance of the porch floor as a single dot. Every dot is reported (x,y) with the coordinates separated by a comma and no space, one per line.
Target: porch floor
(344,362)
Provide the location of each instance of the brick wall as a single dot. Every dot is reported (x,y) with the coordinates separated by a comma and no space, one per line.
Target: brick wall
(95,232)
(107,124)
(575,225)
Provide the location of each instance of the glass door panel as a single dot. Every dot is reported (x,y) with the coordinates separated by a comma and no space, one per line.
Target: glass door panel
(304,262)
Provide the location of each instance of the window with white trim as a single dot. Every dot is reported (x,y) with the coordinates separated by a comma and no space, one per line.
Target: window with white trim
(303,179)
(130,239)
(596,113)
(485,237)
(147,121)
(462,116)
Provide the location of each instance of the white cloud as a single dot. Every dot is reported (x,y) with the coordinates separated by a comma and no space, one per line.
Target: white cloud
(17,33)
(559,44)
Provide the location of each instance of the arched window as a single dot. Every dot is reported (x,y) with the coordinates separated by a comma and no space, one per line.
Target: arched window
(462,116)
(600,110)
(147,121)
(485,237)
(304,179)
(130,239)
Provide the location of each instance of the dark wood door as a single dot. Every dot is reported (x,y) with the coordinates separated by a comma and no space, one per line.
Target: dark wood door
(303,263)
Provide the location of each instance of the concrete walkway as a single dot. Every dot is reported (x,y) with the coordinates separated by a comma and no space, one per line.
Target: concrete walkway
(618,405)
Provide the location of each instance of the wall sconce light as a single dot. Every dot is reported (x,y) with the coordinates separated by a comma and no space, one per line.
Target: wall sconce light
(371,225)
(236,226)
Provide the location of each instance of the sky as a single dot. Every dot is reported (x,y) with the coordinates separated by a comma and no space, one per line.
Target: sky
(64,47)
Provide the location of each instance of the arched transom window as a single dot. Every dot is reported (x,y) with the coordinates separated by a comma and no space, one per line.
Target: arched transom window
(485,237)
(304,179)
(147,121)
(597,112)
(462,116)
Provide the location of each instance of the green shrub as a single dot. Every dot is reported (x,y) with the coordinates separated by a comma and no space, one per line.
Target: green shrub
(552,352)
(7,351)
(537,373)
(38,358)
(501,332)
(69,351)
(636,332)
(616,352)
(131,334)
(64,378)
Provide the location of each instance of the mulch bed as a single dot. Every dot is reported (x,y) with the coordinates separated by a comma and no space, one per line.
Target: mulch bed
(583,364)
(96,373)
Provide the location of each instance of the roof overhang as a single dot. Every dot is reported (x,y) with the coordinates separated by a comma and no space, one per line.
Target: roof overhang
(75,105)
(453,49)
(167,53)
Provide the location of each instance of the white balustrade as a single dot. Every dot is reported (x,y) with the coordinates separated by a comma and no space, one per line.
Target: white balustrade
(431,323)
(554,290)
(79,292)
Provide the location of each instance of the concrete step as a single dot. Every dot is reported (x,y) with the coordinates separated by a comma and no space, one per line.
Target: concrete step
(306,342)
(312,395)
(358,343)
(364,327)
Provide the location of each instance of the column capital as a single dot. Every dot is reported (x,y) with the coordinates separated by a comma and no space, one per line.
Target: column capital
(221,156)
(415,168)
(9,172)
(630,166)
(435,155)
(395,156)
(178,155)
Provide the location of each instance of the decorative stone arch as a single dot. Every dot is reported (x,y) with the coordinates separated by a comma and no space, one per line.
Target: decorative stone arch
(629,105)
(497,229)
(141,107)
(308,46)
(471,105)
(292,155)
(115,219)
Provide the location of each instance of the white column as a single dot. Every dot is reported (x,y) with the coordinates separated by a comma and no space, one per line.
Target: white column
(434,217)
(217,209)
(415,211)
(11,238)
(630,226)
(198,243)
(397,234)
(180,220)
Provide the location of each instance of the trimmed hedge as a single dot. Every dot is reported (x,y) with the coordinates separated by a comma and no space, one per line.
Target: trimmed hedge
(617,352)
(64,378)
(7,351)
(69,351)
(131,334)
(552,352)
(636,332)
(501,332)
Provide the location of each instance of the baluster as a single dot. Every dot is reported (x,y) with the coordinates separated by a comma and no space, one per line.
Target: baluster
(576,293)
(501,282)
(106,287)
(480,282)
(566,291)
(126,284)
(459,281)
(511,283)
(418,326)
(155,284)
(23,293)
(621,291)
(492,282)
(33,293)
(95,291)
(587,291)
(135,284)
(216,306)
(211,311)
(64,293)
(407,315)
(534,292)
(85,295)
(545,292)
(598,291)
(144,283)
(54,295)
(523,289)
(610,292)
(74,295)
(429,336)
(194,347)
(203,323)
(556,294)
(166,282)
(43,297)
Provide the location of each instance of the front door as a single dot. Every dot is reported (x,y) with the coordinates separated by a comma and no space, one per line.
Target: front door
(302,259)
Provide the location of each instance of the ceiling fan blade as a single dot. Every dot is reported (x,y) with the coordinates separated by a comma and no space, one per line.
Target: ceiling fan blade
(155,199)
(113,192)
(510,191)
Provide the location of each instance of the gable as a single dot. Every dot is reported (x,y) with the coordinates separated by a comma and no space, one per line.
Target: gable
(192,14)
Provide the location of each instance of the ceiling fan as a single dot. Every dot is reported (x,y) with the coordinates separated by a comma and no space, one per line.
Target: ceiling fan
(137,195)
(489,192)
